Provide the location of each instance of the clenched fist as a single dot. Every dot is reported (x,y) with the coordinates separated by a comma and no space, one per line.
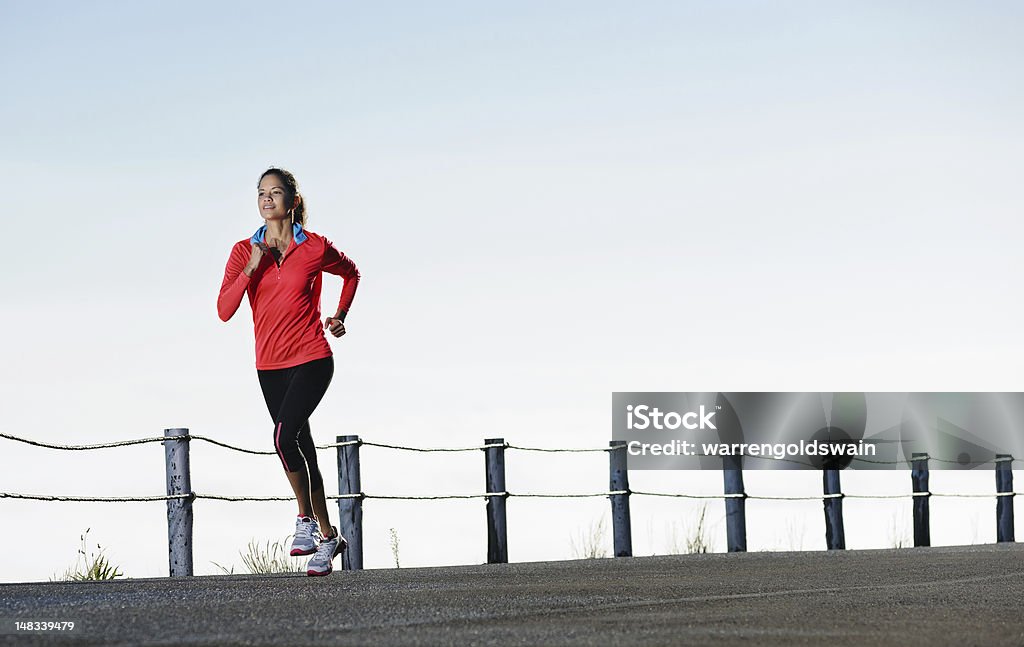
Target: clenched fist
(258,250)
(337,326)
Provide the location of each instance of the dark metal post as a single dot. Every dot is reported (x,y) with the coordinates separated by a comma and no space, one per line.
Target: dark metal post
(1004,503)
(179,511)
(735,506)
(350,509)
(494,466)
(919,479)
(618,481)
(835,535)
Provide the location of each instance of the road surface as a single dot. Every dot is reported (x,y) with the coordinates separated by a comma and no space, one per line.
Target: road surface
(913,596)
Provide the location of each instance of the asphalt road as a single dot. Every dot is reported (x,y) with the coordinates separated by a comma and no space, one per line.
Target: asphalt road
(913,596)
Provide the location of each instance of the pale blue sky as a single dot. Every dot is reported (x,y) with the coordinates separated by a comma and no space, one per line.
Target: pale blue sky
(548,202)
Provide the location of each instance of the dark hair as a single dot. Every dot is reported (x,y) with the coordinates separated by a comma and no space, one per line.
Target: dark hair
(291,187)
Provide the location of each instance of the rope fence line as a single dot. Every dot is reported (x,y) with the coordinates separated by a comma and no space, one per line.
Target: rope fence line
(413,449)
(567,450)
(101,499)
(485,446)
(122,443)
(180,496)
(232,447)
(139,441)
(437,497)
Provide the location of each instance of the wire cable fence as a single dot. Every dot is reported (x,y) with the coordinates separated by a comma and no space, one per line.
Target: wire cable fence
(180,496)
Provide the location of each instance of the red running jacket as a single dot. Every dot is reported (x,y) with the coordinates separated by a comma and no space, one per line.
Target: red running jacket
(285,299)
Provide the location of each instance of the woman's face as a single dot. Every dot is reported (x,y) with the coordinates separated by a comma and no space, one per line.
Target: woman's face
(272,198)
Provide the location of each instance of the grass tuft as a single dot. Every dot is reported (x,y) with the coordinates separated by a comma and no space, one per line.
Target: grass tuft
(591,543)
(89,565)
(268,558)
(394,546)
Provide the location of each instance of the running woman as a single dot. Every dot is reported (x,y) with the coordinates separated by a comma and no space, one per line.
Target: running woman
(280,268)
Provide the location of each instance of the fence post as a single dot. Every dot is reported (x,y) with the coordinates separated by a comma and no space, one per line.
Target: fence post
(735,506)
(494,466)
(1004,504)
(919,479)
(350,509)
(835,534)
(179,511)
(619,480)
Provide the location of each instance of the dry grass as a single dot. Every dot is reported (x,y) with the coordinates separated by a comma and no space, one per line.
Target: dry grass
(89,565)
(268,558)
(590,543)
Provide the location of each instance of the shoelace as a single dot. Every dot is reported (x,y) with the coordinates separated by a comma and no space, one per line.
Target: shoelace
(304,530)
(326,548)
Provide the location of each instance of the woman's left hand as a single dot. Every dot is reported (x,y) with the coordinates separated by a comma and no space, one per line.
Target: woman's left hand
(336,326)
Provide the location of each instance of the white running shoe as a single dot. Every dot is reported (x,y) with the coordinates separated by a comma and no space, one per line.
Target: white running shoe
(307,536)
(322,562)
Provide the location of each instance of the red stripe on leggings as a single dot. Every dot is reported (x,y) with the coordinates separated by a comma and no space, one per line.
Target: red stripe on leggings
(277,442)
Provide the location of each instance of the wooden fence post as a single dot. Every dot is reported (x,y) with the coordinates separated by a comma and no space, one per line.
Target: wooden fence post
(835,534)
(494,477)
(179,511)
(1004,503)
(735,506)
(619,480)
(350,509)
(919,480)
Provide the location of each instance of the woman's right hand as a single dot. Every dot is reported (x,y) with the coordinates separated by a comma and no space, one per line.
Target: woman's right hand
(258,249)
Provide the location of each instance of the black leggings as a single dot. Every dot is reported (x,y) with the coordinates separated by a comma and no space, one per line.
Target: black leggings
(292,394)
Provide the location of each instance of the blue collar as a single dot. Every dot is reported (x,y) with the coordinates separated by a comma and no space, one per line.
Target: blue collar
(297,234)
